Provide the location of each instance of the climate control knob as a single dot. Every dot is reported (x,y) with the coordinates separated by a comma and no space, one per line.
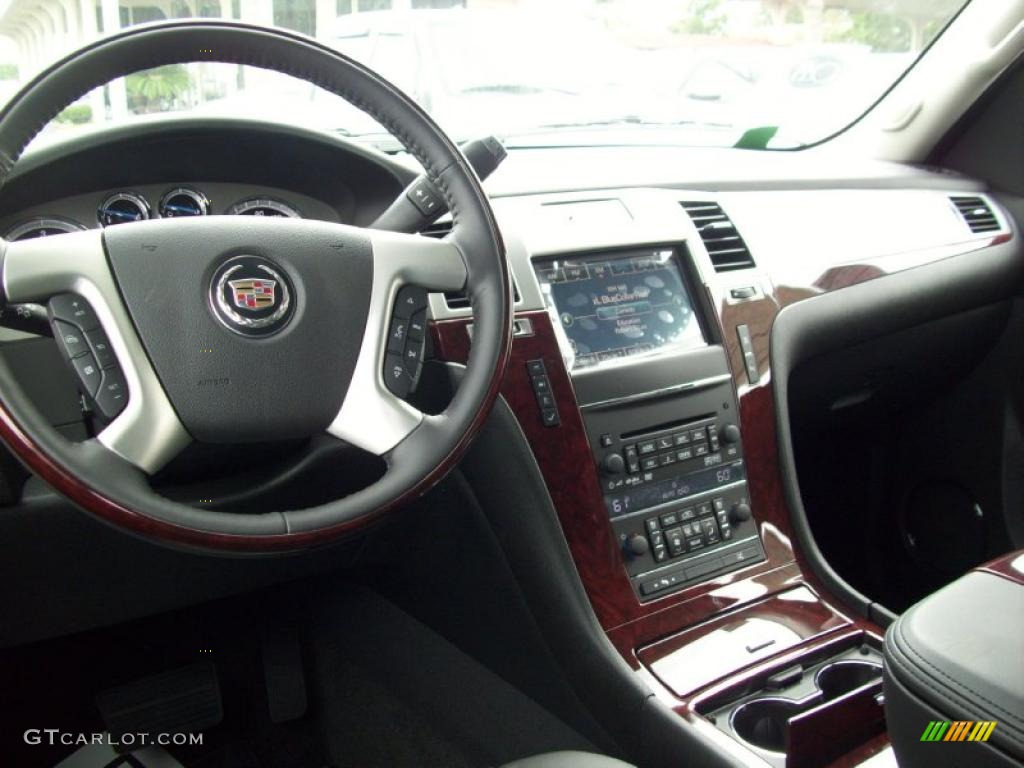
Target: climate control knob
(731,433)
(637,545)
(739,513)
(613,464)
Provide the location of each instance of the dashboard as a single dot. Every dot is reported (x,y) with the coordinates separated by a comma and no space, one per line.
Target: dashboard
(648,283)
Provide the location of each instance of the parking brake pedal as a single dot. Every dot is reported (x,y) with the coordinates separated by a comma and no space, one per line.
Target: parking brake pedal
(184,700)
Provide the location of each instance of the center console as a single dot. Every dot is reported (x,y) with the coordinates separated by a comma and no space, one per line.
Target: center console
(659,410)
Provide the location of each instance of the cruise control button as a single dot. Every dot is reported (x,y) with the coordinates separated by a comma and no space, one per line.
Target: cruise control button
(113,393)
(101,348)
(71,340)
(410,300)
(89,373)
(74,309)
(396,378)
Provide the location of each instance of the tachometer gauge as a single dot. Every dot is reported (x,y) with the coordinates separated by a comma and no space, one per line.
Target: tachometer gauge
(184,202)
(121,208)
(263,206)
(45,226)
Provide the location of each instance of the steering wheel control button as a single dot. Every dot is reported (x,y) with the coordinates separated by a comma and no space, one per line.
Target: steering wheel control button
(70,339)
(397,334)
(72,308)
(89,373)
(542,390)
(413,358)
(251,296)
(113,394)
(424,196)
(410,300)
(101,348)
(418,326)
(396,377)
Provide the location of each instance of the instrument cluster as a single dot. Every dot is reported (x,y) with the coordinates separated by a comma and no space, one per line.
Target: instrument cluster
(123,207)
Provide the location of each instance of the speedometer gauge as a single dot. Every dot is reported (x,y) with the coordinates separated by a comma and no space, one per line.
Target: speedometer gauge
(184,202)
(121,208)
(42,227)
(263,206)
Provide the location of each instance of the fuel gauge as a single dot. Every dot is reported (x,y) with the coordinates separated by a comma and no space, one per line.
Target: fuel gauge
(121,208)
(184,202)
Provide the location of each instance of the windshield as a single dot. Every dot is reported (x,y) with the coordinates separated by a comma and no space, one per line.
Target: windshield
(761,73)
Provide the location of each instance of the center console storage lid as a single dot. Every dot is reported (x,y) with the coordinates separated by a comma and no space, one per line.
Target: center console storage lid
(958,655)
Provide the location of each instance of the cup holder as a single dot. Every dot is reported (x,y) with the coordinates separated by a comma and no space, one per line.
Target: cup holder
(763,722)
(840,677)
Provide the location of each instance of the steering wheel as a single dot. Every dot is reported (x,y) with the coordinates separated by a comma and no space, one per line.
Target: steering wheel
(231,329)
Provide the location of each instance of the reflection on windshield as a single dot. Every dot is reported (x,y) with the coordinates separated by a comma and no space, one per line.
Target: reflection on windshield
(679,71)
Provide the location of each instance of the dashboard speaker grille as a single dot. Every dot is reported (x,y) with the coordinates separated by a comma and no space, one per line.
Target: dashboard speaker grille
(977,213)
(723,242)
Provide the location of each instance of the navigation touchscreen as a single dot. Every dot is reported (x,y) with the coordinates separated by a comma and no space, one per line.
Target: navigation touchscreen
(612,306)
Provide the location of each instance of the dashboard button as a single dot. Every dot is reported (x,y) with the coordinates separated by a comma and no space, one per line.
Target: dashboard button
(681,438)
(113,393)
(652,524)
(669,519)
(676,542)
(550,417)
(71,340)
(545,401)
(101,348)
(698,434)
(89,373)
(651,462)
(660,553)
(541,385)
(536,368)
(664,442)
(648,446)
(73,309)
(684,454)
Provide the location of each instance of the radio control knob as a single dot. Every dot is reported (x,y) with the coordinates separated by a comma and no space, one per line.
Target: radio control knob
(613,464)
(637,545)
(731,433)
(740,513)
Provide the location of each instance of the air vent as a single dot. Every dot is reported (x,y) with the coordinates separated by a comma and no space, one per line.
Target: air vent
(723,242)
(455,299)
(977,213)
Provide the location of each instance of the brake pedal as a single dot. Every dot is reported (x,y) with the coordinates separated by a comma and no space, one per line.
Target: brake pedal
(284,675)
(184,700)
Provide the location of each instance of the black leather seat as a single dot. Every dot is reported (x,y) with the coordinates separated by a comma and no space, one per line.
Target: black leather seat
(957,657)
(568,760)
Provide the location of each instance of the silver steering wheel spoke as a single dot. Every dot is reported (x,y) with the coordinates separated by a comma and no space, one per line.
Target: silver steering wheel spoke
(371,417)
(147,432)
